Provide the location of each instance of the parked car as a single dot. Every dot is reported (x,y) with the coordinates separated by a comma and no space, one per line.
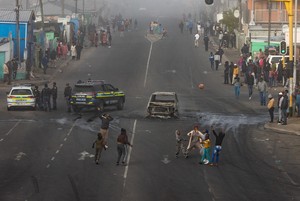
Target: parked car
(21,97)
(163,104)
(275,59)
(96,94)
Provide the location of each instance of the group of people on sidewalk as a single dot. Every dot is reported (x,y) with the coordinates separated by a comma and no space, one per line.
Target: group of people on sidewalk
(200,141)
(10,69)
(258,73)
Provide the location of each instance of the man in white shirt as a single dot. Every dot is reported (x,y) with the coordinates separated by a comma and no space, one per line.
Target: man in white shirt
(197,36)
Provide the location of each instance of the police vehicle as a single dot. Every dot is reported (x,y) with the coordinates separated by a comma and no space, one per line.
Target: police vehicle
(21,97)
(96,94)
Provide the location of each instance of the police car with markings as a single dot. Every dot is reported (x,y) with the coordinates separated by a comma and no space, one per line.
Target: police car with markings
(96,94)
(21,96)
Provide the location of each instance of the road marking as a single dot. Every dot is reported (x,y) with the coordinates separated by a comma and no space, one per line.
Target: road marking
(166,160)
(148,62)
(57,151)
(84,155)
(48,166)
(65,139)
(61,145)
(19,156)
(129,153)
(12,128)
(53,158)
(1,139)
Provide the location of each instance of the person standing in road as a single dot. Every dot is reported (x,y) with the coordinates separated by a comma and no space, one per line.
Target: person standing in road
(109,39)
(262,89)
(46,95)
(37,96)
(196,137)
(15,68)
(78,51)
(73,51)
(45,62)
(217,59)
(211,59)
(250,83)
(196,42)
(237,86)
(280,94)
(231,72)
(298,102)
(205,159)
(218,146)
(5,73)
(206,40)
(99,146)
(221,52)
(235,72)
(122,142)
(226,72)
(179,144)
(271,107)
(54,95)
(284,107)
(106,119)
(68,96)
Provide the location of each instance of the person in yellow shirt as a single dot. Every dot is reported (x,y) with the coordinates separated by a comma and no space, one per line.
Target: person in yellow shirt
(206,147)
(235,72)
(271,107)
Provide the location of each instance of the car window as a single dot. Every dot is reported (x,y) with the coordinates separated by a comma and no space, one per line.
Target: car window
(21,92)
(82,89)
(109,87)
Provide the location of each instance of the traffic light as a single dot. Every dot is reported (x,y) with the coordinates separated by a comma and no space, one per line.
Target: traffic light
(209,2)
(283,48)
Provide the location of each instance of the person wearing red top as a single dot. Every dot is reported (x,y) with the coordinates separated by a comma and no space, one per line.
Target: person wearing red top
(122,142)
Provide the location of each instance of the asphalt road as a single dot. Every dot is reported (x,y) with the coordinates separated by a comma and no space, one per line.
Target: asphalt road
(49,156)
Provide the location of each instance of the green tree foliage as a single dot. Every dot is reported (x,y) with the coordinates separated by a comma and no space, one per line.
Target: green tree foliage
(230,21)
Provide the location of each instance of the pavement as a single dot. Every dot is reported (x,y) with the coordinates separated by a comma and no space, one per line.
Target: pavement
(293,124)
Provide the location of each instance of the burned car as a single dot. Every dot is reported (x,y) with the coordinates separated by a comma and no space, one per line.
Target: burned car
(163,104)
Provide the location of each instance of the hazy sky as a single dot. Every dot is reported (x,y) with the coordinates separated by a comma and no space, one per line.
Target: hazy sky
(131,7)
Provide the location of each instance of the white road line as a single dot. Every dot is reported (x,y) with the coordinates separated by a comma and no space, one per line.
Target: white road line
(57,151)
(1,139)
(12,128)
(53,158)
(48,166)
(148,62)
(129,153)
(61,145)
(65,139)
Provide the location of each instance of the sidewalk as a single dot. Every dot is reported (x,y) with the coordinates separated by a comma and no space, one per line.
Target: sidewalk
(293,124)
(39,77)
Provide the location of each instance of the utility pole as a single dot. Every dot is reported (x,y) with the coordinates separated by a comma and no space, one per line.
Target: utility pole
(269,23)
(42,13)
(18,30)
(62,8)
(76,6)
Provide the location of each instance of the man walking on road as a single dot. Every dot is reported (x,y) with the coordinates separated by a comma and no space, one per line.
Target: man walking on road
(218,146)
(250,83)
(99,146)
(262,89)
(122,142)
(46,95)
(179,144)
(68,96)
(271,107)
(197,36)
(284,107)
(106,118)
(206,40)
(54,95)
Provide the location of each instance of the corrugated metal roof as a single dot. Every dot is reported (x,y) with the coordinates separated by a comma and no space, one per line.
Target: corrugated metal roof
(9,15)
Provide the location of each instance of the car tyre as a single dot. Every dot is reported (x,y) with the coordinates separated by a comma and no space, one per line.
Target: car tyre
(120,105)
(75,109)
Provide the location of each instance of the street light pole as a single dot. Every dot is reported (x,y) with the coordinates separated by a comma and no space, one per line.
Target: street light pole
(295,53)
(18,30)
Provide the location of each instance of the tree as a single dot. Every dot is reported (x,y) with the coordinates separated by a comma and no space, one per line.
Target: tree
(230,21)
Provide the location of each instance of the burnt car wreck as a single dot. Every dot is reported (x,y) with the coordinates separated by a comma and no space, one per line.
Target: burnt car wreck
(163,104)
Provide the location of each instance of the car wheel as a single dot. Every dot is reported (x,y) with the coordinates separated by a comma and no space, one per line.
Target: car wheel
(75,109)
(100,106)
(120,105)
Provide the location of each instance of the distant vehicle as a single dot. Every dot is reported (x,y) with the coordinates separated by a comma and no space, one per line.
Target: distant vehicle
(96,94)
(275,59)
(163,104)
(21,97)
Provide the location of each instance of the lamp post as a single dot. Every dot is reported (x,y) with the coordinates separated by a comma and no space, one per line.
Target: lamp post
(295,53)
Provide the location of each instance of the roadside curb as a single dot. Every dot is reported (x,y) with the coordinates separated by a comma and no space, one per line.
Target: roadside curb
(282,130)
